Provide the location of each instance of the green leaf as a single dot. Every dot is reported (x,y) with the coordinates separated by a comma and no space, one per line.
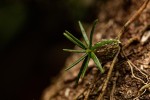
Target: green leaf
(84,34)
(74,40)
(81,69)
(105,42)
(75,51)
(76,62)
(95,59)
(92,31)
(86,65)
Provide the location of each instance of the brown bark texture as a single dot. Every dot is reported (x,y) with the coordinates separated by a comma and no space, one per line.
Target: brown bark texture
(128,81)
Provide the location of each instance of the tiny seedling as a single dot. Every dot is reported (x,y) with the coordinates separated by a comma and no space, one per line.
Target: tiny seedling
(91,51)
(101,51)
(104,50)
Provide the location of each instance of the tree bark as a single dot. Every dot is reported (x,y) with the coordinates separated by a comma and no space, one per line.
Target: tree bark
(122,84)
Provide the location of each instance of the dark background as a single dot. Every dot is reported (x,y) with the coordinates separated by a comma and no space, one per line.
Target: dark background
(31,42)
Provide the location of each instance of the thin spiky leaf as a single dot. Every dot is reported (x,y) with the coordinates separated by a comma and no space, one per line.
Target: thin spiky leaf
(105,42)
(75,51)
(69,38)
(86,65)
(84,34)
(92,31)
(81,69)
(98,64)
(76,62)
(74,40)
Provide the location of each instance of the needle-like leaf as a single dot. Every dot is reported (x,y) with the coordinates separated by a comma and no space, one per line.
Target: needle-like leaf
(84,34)
(98,64)
(75,51)
(82,69)
(86,65)
(104,42)
(74,40)
(76,62)
(92,31)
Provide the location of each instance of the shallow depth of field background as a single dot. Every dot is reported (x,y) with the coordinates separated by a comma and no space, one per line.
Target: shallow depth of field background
(31,42)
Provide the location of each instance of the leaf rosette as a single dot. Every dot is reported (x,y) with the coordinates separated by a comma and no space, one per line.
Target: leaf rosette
(103,50)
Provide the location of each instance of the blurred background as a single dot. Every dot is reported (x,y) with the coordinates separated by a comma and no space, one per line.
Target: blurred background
(31,42)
